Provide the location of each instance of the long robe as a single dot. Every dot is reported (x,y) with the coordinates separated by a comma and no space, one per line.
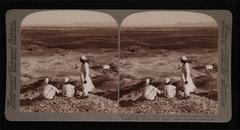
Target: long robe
(84,76)
(186,76)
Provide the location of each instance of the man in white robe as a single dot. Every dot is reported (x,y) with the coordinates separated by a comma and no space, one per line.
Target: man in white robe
(150,92)
(85,78)
(48,90)
(188,85)
(169,90)
(68,89)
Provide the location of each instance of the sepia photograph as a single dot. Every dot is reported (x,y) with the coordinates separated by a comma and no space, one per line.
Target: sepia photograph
(118,65)
(69,62)
(169,63)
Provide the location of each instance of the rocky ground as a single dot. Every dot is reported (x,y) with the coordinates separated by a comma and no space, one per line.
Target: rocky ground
(194,105)
(93,103)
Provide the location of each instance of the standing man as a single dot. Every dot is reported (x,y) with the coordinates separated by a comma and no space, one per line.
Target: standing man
(86,81)
(188,85)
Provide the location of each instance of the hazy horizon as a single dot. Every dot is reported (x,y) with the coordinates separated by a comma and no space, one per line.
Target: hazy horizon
(69,18)
(168,19)
(79,18)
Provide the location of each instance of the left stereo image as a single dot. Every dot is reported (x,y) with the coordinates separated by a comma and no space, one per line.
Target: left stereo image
(69,62)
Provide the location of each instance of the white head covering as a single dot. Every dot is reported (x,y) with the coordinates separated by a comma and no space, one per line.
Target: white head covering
(46,80)
(66,79)
(184,58)
(83,58)
(147,81)
(167,80)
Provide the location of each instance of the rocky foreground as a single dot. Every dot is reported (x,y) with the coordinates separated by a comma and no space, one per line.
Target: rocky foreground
(93,103)
(193,105)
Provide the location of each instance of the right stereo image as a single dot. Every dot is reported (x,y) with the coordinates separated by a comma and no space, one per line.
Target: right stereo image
(168,63)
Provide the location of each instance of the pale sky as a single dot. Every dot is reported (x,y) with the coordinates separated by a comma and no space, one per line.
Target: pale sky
(69,18)
(168,19)
(98,19)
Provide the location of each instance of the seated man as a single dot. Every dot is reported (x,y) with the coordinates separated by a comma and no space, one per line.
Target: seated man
(150,92)
(169,90)
(68,89)
(48,90)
